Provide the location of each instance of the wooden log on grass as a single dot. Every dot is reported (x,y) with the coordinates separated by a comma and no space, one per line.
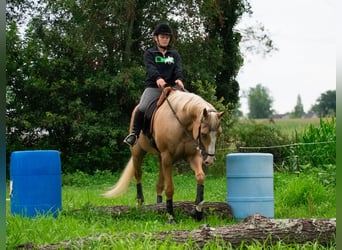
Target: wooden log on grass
(254,228)
(221,209)
(259,228)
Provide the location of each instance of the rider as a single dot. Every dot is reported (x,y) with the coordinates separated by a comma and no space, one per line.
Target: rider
(163,67)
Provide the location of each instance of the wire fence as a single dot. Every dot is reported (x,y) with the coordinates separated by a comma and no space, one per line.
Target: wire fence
(290,145)
(295,156)
(281,146)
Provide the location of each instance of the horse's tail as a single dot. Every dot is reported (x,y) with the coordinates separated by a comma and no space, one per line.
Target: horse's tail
(122,185)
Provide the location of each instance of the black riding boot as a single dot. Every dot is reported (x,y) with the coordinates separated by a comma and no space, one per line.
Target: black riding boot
(138,121)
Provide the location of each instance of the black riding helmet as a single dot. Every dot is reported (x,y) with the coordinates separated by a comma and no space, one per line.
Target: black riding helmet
(162,29)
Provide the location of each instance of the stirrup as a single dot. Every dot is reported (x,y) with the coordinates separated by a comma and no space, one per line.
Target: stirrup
(131,139)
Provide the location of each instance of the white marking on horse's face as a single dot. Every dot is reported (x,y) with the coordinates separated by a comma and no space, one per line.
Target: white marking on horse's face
(211,149)
(212,144)
(210,132)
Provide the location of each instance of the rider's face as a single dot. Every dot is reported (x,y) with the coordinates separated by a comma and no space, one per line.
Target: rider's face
(163,40)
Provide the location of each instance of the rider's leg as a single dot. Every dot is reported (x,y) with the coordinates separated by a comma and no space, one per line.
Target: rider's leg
(138,121)
(149,95)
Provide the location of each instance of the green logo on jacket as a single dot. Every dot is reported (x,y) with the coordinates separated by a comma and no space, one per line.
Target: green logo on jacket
(160,59)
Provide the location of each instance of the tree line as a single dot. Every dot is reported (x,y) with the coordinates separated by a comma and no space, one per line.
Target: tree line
(74,69)
(260,104)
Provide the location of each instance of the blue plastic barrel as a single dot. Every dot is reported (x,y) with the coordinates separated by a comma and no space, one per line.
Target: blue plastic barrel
(250,184)
(36,187)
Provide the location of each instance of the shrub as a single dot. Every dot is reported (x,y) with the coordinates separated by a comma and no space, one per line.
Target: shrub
(320,144)
(83,179)
(318,153)
(261,138)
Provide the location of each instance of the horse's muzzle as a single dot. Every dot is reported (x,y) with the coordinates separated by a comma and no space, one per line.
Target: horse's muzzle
(209,159)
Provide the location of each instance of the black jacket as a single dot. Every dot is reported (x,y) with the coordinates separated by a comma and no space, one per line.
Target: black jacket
(157,66)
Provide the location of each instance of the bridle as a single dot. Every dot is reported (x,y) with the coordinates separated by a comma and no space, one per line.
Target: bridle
(204,153)
(198,144)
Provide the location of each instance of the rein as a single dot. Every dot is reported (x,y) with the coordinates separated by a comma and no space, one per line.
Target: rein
(197,146)
(198,142)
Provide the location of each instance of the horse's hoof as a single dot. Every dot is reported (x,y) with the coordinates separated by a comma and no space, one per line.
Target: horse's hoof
(170,219)
(139,202)
(196,215)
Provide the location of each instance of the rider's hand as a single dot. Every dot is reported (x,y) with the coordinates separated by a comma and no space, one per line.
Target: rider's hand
(161,83)
(179,83)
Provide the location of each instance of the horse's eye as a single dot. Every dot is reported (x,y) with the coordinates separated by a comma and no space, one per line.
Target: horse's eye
(204,135)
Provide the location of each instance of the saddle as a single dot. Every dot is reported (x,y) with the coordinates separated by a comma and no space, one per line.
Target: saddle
(150,113)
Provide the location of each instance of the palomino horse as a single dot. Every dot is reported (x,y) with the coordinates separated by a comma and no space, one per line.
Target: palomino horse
(184,127)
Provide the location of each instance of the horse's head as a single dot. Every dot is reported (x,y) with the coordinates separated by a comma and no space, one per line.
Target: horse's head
(206,131)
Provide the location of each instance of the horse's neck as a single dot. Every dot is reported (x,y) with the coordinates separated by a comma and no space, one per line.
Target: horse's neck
(188,105)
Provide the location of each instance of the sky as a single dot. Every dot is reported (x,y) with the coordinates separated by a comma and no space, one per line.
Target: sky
(304,31)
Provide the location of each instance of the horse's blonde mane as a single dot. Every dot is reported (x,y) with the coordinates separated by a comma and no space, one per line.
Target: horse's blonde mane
(186,102)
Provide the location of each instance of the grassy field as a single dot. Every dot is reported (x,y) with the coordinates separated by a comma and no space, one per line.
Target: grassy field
(295,197)
(290,126)
(303,195)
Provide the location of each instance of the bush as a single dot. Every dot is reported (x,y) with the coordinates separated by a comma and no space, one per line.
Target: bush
(261,138)
(320,144)
(312,151)
(318,153)
(82,179)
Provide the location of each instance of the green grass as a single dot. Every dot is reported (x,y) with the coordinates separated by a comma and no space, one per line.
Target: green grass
(309,194)
(300,196)
(291,126)
(303,196)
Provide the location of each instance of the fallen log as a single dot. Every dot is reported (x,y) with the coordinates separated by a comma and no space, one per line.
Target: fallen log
(220,209)
(255,228)
(259,228)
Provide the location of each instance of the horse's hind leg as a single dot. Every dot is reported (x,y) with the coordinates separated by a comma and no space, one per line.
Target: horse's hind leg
(138,156)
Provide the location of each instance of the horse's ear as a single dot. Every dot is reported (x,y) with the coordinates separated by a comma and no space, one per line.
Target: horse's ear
(205,113)
(220,114)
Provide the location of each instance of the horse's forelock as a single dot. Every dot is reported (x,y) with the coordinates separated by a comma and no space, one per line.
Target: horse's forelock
(214,120)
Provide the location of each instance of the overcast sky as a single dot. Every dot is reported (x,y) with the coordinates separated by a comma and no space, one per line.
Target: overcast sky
(305,65)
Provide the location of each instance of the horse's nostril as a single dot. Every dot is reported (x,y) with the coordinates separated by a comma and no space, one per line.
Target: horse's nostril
(209,160)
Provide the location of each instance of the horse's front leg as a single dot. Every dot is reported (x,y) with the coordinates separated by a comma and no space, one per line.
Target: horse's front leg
(160,185)
(166,165)
(196,165)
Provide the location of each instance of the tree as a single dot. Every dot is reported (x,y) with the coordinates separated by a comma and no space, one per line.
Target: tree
(326,104)
(76,71)
(298,111)
(220,28)
(259,102)
(69,80)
